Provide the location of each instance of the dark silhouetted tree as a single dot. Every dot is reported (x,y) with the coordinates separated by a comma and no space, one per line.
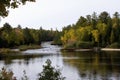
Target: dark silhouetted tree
(6,4)
(50,73)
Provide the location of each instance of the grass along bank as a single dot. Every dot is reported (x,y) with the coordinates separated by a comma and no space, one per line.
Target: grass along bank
(20,48)
(7,51)
(26,47)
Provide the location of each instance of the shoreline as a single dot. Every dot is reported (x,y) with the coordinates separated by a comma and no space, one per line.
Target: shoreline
(110,49)
(19,49)
(76,50)
(99,49)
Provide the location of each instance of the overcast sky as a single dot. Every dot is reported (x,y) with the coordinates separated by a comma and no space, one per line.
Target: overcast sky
(57,13)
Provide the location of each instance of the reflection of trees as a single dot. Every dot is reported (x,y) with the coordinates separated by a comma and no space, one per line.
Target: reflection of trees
(92,65)
(8,59)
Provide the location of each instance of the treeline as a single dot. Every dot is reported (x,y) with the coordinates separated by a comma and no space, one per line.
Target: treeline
(12,37)
(93,30)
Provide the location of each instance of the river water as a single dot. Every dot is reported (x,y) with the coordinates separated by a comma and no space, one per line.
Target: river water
(73,65)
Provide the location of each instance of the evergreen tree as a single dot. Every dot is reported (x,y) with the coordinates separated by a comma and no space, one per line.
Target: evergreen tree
(50,73)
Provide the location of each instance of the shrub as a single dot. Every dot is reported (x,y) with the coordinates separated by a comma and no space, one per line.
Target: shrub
(114,45)
(6,75)
(50,73)
(70,45)
(26,47)
(6,50)
(83,45)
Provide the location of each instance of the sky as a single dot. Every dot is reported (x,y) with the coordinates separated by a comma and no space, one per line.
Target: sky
(56,14)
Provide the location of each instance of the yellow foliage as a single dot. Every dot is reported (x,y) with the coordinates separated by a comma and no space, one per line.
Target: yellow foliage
(95,34)
(102,27)
(69,36)
(82,34)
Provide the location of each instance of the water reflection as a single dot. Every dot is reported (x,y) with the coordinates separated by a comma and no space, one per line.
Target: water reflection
(95,66)
(74,65)
(32,66)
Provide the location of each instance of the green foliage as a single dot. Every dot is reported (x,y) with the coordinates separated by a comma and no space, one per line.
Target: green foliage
(12,37)
(103,17)
(50,73)
(95,34)
(70,45)
(85,45)
(28,38)
(114,45)
(79,44)
(5,50)
(101,30)
(112,37)
(82,34)
(25,47)
(57,38)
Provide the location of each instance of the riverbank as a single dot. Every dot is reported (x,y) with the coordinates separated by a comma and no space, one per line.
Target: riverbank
(7,51)
(94,49)
(109,49)
(76,50)
(18,49)
(26,47)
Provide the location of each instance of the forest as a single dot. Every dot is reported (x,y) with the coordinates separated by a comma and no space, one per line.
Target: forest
(80,53)
(13,37)
(93,31)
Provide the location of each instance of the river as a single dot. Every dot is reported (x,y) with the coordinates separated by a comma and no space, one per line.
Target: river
(73,65)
